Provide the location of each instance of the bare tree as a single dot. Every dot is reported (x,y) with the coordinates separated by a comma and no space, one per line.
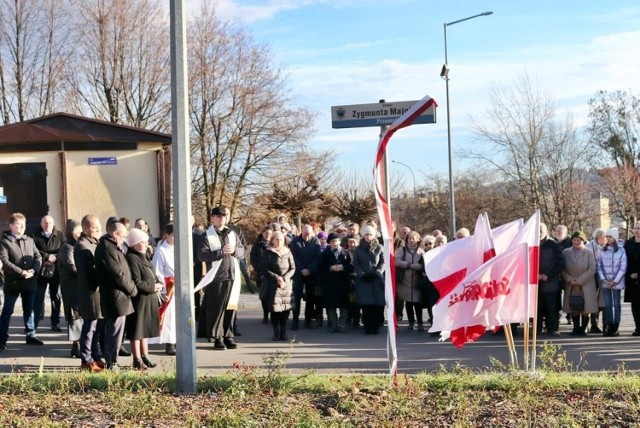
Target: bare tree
(304,189)
(615,125)
(244,125)
(538,154)
(33,51)
(353,199)
(122,72)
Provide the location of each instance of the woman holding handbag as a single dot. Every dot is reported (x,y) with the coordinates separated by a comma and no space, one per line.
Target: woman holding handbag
(612,267)
(580,299)
(410,265)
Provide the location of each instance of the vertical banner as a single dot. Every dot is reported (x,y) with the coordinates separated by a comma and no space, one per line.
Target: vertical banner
(384,213)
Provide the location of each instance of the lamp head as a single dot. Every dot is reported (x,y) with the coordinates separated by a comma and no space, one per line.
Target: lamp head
(486,13)
(445,71)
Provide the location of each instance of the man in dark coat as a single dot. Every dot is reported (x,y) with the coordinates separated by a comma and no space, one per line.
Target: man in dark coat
(89,294)
(21,262)
(220,246)
(116,289)
(196,232)
(335,269)
(48,240)
(306,253)
(549,285)
(561,236)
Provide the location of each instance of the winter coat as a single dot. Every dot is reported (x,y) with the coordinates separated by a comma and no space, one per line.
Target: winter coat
(368,263)
(88,292)
(144,322)
(551,265)
(114,279)
(410,288)
(50,245)
(581,267)
(274,265)
(18,255)
(258,250)
(306,254)
(336,286)
(68,280)
(612,266)
(632,285)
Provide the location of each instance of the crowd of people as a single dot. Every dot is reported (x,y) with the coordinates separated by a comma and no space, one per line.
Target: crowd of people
(120,284)
(339,273)
(591,276)
(113,286)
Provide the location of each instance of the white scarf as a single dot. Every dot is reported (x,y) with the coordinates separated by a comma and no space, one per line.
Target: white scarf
(215,244)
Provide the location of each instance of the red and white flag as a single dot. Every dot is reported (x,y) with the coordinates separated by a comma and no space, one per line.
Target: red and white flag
(449,264)
(472,251)
(492,295)
(530,235)
(386,229)
(503,236)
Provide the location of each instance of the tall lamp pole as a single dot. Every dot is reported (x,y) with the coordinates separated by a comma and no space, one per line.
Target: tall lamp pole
(415,193)
(445,75)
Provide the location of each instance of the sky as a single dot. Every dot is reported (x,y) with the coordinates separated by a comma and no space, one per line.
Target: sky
(360,51)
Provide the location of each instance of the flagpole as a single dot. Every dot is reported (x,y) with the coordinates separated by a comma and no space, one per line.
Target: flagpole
(535,333)
(508,335)
(526,299)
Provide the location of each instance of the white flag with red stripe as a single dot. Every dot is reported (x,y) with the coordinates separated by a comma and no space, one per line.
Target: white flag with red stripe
(492,295)
(448,265)
(530,235)
(503,236)
(384,213)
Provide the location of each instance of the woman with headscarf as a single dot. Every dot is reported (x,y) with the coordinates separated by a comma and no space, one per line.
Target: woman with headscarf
(335,270)
(410,271)
(578,276)
(612,267)
(277,269)
(143,322)
(258,250)
(369,266)
(69,285)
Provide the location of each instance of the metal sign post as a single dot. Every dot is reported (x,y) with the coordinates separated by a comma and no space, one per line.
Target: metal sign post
(186,380)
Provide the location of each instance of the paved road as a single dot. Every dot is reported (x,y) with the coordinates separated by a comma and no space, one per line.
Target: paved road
(325,352)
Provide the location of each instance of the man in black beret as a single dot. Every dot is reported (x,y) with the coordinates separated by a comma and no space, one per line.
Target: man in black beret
(221,248)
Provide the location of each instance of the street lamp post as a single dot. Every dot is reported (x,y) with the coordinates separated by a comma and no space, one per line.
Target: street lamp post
(445,74)
(415,193)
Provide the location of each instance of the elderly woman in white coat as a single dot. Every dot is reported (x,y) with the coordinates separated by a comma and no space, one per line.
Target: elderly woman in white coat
(612,267)
(579,280)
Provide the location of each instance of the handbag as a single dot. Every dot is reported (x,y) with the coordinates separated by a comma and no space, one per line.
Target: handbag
(47,270)
(576,301)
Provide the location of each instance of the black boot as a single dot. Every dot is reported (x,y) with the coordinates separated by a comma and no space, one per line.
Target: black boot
(576,325)
(594,323)
(583,326)
(283,331)
(276,332)
(145,360)
(614,329)
(607,330)
(295,324)
(75,350)
(170,349)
